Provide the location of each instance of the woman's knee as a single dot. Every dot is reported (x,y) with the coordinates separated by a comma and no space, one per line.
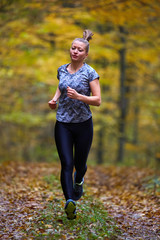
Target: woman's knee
(67,166)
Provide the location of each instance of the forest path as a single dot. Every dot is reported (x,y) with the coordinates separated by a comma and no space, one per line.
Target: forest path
(122,190)
(125,194)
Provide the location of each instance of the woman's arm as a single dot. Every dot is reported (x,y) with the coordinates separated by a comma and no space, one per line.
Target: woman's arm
(94,100)
(53,102)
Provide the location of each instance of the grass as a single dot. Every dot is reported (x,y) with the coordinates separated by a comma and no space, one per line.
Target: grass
(152,184)
(92,221)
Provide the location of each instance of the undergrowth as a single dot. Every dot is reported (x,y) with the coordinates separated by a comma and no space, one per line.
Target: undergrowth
(92,221)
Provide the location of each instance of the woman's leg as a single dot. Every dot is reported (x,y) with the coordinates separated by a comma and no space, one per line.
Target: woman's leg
(83,141)
(64,143)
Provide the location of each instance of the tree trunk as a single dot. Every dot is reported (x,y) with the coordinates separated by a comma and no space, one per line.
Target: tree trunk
(135,125)
(122,100)
(100,146)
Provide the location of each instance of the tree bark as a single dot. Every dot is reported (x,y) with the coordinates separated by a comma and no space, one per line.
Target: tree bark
(100,146)
(122,98)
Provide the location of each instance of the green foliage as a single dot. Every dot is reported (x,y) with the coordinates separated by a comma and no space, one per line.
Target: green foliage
(92,222)
(152,184)
(23,118)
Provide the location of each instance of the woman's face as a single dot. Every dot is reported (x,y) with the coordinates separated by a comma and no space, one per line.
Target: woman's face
(78,51)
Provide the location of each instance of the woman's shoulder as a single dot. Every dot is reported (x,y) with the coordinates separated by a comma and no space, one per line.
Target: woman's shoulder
(63,67)
(88,67)
(91,72)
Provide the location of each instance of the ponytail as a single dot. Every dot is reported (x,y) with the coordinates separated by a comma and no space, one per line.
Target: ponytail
(87,35)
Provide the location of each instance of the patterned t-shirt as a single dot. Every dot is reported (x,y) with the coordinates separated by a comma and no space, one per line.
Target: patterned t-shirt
(73,110)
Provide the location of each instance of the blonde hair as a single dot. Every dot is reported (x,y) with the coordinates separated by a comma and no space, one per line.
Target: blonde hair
(87,35)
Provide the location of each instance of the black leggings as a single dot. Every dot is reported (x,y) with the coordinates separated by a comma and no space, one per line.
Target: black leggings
(73,141)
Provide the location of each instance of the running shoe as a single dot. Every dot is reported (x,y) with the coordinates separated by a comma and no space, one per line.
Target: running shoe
(77,189)
(70,209)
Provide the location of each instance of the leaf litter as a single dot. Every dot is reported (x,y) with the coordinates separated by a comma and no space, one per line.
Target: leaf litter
(31,204)
(125,196)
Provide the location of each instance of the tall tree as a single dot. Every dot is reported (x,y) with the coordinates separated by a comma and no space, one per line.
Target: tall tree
(135,18)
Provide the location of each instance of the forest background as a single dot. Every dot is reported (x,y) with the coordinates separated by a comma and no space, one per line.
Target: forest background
(35,38)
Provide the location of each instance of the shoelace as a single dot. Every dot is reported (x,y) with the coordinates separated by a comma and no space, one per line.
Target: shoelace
(79,184)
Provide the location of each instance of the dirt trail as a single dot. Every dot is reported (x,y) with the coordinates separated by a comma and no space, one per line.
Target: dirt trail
(122,191)
(124,195)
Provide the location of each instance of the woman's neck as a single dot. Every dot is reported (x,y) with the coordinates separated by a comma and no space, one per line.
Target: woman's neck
(74,66)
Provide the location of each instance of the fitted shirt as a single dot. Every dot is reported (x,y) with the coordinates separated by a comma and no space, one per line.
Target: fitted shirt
(73,110)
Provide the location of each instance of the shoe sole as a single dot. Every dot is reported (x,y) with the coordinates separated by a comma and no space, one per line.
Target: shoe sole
(70,210)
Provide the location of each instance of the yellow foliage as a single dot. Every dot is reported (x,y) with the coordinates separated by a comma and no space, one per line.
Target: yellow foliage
(35,40)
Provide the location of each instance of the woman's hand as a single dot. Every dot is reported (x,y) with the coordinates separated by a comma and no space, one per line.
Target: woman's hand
(94,100)
(72,93)
(52,104)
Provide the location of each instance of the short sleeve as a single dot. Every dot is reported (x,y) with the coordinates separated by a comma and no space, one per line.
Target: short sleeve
(93,75)
(58,74)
